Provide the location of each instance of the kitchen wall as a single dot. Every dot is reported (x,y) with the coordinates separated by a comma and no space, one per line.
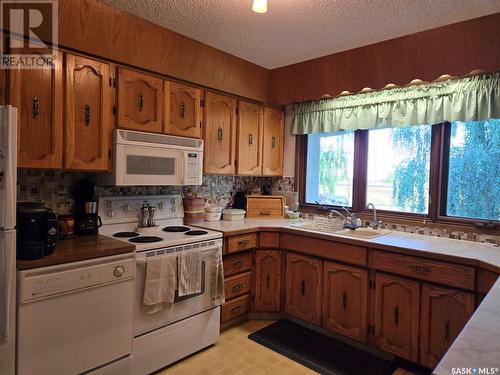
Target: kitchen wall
(53,188)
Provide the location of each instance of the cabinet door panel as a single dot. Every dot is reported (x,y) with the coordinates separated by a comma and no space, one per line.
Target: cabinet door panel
(267,280)
(443,315)
(303,287)
(220,134)
(250,127)
(345,300)
(88,110)
(272,163)
(182,110)
(37,93)
(140,101)
(396,315)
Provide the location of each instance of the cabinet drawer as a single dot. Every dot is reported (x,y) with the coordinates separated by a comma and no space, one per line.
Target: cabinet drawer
(241,242)
(425,269)
(237,285)
(237,263)
(269,240)
(265,206)
(236,307)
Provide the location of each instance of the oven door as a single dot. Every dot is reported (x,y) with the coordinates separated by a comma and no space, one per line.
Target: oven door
(139,165)
(183,307)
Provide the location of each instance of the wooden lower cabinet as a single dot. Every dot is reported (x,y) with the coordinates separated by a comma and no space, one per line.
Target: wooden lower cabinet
(267,293)
(303,287)
(345,300)
(235,308)
(397,304)
(444,312)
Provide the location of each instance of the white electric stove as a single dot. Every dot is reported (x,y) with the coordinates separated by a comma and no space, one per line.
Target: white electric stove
(192,322)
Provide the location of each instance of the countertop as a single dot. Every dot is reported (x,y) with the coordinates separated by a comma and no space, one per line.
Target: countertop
(79,248)
(478,344)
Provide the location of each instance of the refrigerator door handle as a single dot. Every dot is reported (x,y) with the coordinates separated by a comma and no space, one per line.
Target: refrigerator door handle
(7,282)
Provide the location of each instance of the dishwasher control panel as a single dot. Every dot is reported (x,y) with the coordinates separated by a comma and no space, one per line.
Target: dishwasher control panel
(48,281)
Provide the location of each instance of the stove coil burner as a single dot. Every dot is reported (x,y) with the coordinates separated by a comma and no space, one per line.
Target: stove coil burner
(176,228)
(196,233)
(125,234)
(146,239)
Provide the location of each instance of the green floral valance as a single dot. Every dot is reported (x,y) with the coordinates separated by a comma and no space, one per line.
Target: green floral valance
(466,99)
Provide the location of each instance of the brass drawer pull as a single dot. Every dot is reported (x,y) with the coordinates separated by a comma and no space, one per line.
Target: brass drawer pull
(344,300)
(219,134)
(447,331)
(396,315)
(182,110)
(268,281)
(237,287)
(420,269)
(238,309)
(250,139)
(303,287)
(265,213)
(238,264)
(243,242)
(273,142)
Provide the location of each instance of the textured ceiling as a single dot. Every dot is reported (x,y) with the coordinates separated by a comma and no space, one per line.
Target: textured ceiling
(297,30)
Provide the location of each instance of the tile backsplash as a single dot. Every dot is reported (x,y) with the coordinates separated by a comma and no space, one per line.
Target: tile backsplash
(53,189)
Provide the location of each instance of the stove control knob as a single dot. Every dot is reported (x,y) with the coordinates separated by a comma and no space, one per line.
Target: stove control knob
(172,201)
(126,208)
(119,271)
(111,213)
(109,204)
(161,206)
(173,208)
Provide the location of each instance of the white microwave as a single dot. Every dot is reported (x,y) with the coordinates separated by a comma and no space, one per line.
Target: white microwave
(154,159)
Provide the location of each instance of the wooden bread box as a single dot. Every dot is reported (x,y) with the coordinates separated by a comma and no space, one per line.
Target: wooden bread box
(265,206)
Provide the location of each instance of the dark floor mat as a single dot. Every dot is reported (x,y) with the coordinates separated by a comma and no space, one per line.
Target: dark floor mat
(320,353)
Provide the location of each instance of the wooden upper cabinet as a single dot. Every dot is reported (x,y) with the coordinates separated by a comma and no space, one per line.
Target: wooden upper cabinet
(140,101)
(443,315)
(396,315)
(38,95)
(303,287)
(220,134)
(345,300)
(274,132)
(182,110)
(88,114)
(250,129)
(267,280)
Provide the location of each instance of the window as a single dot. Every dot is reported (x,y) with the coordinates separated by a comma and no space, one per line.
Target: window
(330,166)
(474,170)
(398,168)
(449,172)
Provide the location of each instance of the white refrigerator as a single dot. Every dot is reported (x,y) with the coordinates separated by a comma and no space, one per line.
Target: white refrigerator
(8,175)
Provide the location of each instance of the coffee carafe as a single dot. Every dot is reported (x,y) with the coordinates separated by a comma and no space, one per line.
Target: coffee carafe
(87,222)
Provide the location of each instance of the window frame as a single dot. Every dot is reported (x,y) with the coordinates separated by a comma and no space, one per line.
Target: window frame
(438,182)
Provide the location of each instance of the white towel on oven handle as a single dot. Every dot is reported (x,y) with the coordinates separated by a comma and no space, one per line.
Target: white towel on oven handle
(160,282)
(189,272)
(218,279)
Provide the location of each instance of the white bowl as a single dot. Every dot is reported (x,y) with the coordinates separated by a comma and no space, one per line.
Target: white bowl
(212,216)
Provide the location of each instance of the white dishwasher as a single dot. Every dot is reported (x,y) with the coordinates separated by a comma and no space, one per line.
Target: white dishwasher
(76,317)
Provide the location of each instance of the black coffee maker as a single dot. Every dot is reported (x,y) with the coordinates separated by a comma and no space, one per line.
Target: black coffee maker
(87,222)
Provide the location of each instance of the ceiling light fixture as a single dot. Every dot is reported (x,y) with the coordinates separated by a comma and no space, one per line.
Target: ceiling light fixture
(259,6)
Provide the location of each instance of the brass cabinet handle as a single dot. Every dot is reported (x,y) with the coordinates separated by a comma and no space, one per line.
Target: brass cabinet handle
(250,139)
(268,281)
(303,287)
(140,102)
(237,287)
(447,331)
(182,110)
(273,142)
(36,106)
(243,242)
(238,309)
(219,134)
(419,269)
(265,213)
(344,300)
(238,264)
(396,315)
(87,115)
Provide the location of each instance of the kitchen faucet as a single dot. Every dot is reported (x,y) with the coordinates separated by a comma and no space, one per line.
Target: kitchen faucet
(376,223)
